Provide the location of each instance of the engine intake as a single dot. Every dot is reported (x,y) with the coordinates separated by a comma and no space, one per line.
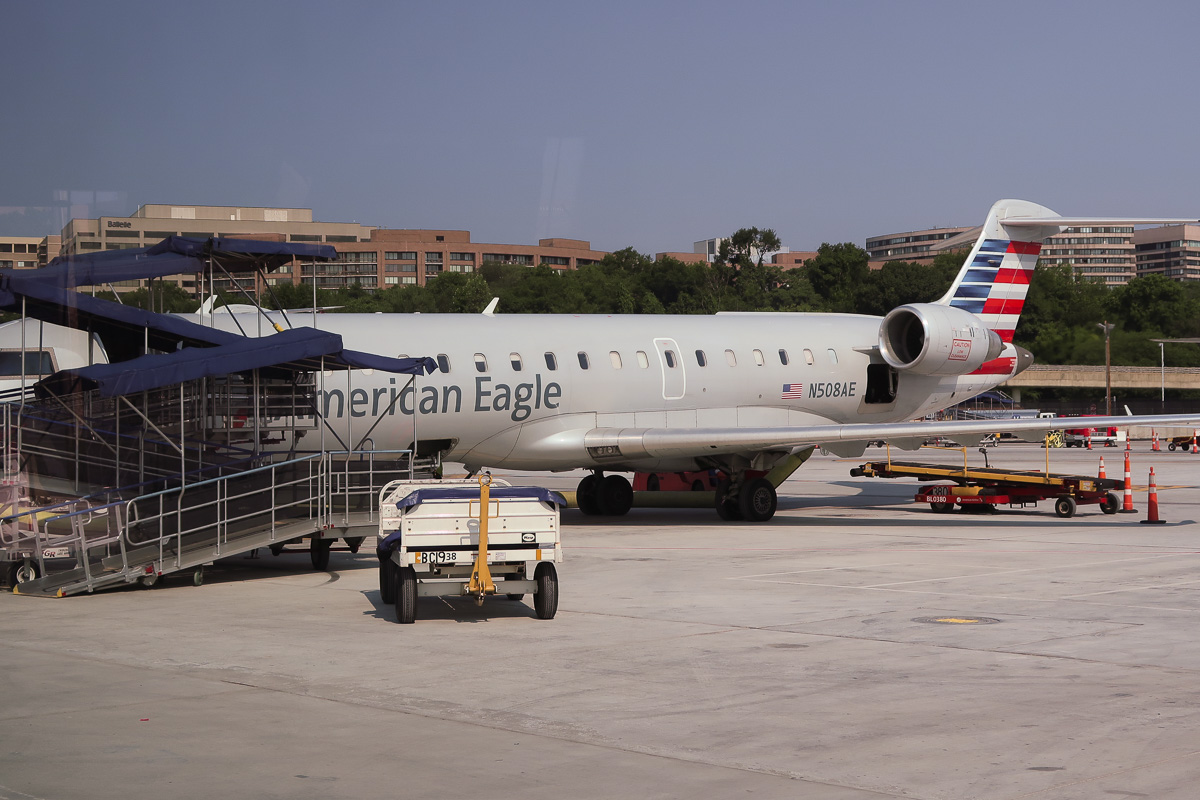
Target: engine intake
(930,339)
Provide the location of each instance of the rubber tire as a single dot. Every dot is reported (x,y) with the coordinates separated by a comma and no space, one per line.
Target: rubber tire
(1110,504)
(354,542)
(727,509)
(1064,507)
(545,601)
(615,496)
(406,595)
(18,569)
(318,553)
(516,598)
(276,549)
(1171,446)
(387,581)
(757,500)
(941,508)
(586,495)
(198,577)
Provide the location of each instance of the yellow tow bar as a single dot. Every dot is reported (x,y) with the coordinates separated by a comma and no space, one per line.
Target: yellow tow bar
(481,577)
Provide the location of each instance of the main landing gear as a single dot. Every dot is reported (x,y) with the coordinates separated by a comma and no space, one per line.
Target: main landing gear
(604,495)
(753,500)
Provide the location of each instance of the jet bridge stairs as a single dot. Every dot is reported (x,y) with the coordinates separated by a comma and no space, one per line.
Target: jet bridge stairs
(184,502)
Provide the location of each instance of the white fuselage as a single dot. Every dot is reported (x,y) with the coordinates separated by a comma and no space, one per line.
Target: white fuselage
(521,390)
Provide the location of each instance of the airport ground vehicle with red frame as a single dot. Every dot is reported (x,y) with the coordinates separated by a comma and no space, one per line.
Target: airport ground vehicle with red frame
(984,488)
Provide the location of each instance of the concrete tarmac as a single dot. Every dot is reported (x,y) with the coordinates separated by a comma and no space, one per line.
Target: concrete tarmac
(856,646)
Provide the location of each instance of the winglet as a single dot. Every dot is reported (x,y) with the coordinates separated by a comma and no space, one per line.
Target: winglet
(490,311)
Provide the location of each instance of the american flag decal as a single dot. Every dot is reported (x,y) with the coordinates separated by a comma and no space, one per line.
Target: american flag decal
(793,391)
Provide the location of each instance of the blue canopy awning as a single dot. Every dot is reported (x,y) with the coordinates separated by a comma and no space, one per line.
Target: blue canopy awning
(300,349)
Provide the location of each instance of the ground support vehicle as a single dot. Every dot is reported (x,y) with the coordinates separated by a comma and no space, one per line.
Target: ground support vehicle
(1183,443)
(455,539)
(983,488)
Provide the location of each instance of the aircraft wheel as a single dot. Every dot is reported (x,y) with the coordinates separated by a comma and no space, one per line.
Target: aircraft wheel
(1110,503)
(615,496)
(757,500)
(545,601)
(406,595)
(318,553)
(727,508)
(586,495)
(387,581)
(1064,506)
(22,572)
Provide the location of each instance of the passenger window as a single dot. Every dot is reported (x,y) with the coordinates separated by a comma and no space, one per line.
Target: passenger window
(730,358)
(583,360)
(808,357)
(832,356)
(758,358)
(783,357)
(515,360)
(701,359)
(443,362)
(643,362)
(480,362)
(615,358)
(669,357)
(551,362)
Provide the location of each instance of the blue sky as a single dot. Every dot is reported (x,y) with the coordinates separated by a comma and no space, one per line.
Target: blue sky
(643,124)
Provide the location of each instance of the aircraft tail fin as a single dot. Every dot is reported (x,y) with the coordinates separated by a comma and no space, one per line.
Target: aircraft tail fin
(995,278)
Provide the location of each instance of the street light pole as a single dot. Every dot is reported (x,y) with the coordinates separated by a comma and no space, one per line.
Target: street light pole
(1162,367)
(1107,328)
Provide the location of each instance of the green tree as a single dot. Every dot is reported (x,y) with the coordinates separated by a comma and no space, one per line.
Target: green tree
(837,272)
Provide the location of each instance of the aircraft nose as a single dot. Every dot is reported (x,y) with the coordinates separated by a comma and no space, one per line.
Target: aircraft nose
(1024,360)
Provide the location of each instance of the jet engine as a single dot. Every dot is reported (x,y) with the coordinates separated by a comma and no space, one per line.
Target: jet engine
(930,339)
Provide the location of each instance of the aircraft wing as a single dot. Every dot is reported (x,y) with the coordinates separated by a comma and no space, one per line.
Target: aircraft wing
(625,443)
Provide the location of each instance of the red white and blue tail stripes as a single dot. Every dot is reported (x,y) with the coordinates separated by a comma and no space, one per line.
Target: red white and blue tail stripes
(994,282)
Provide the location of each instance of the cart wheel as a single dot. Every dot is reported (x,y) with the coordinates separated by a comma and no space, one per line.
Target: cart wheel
(1171,446)
(318,552)
(1064,506)
(354,542)
(387,581)
(516,598)
(22,572)
(150,581)
(198,577)
(406,595)
(1110,503)
(941,508)
(276,549)
(545,601)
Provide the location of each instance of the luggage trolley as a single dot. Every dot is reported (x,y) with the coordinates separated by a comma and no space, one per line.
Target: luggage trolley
(465,540)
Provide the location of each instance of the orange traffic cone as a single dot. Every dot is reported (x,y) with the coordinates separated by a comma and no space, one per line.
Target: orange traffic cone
(1154,447)
(1128,441)
(1128,507)
(1101,475)
(1152,504)
(1194,450)
(1088,438)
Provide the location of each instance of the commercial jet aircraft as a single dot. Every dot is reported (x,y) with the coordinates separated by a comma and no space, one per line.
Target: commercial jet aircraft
(659,393)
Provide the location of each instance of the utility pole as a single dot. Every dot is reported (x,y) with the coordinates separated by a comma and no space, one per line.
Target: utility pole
(1107,328)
